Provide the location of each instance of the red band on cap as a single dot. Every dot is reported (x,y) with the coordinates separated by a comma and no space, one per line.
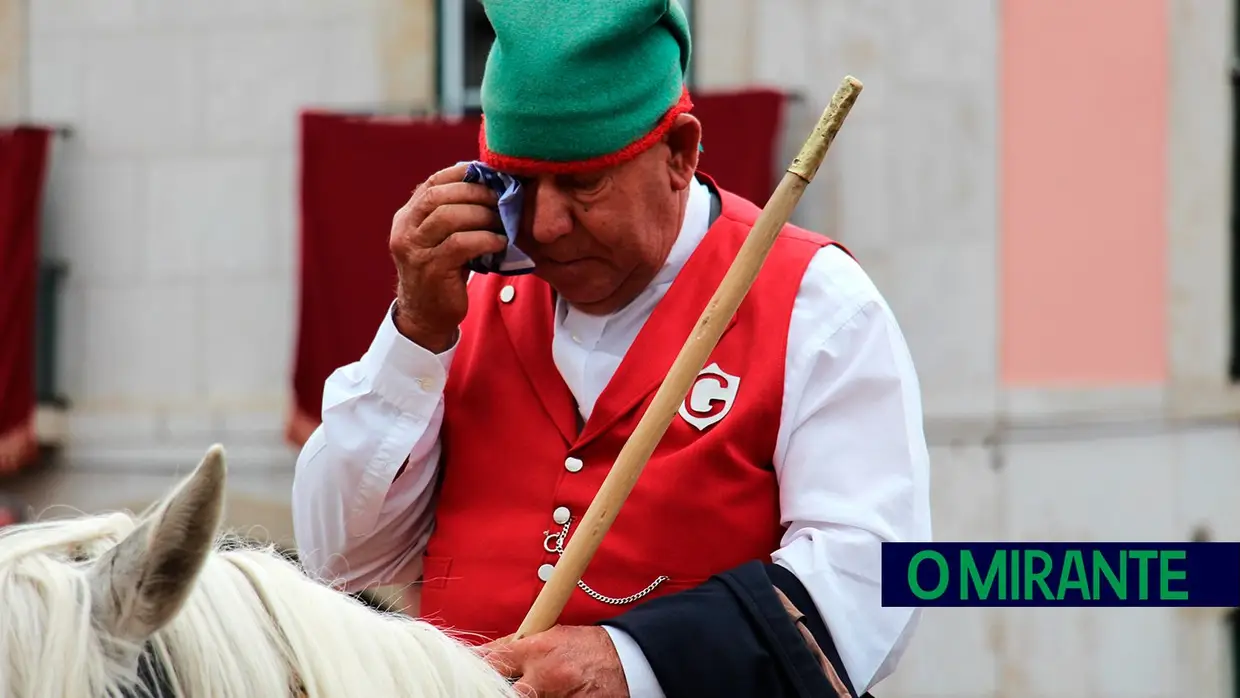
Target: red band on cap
(531,166)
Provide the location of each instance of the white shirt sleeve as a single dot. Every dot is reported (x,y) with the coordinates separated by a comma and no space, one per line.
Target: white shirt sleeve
(638,673)
(851,459)
(355,522)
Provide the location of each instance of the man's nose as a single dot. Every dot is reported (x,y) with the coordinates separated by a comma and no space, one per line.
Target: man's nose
(548,213)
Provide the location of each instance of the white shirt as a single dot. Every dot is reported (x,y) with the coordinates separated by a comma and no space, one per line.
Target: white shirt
(851,457)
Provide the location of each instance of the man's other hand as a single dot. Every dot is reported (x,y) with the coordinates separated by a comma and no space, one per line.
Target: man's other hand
(567,660)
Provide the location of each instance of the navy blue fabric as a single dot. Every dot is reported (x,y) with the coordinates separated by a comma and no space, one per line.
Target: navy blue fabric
(796,592)
(731,636)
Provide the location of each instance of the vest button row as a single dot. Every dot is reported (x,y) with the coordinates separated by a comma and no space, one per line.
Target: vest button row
(544,572)
(571,464)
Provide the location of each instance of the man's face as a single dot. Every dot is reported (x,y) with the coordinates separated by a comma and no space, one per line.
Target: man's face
(599,238)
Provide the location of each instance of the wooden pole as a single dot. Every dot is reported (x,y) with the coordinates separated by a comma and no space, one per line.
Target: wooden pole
(697,348)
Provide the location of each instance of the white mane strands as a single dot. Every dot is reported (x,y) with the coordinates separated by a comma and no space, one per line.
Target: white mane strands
(81,598)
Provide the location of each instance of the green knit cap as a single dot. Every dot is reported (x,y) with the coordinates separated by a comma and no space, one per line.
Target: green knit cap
(574,85)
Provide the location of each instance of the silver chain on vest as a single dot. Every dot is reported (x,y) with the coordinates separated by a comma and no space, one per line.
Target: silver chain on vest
(554,543)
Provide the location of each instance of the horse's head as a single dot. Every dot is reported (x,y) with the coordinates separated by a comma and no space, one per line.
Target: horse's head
(118,606)
(81,599)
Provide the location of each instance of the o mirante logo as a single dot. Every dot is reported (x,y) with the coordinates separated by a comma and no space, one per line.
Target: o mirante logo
(1061,574)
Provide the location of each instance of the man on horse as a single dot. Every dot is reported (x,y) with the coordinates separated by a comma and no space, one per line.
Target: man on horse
(464,446)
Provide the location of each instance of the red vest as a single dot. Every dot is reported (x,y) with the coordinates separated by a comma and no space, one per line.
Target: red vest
(516,468)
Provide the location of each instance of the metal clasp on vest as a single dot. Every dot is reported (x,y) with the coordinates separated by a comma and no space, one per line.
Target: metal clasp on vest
(554,543)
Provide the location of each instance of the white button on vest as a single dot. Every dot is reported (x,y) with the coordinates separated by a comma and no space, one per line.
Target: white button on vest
(506,293)
(560,515)
(573,465)
(544,572)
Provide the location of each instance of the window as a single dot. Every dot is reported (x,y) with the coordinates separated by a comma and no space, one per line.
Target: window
(464,38)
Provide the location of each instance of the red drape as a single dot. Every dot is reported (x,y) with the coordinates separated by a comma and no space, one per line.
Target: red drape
(740,135)
(23,164)
(356,172)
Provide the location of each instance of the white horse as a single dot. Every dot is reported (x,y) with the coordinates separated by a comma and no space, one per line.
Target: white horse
(115,606)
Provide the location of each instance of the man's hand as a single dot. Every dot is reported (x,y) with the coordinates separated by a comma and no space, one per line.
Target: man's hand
(444,224)
(567,660)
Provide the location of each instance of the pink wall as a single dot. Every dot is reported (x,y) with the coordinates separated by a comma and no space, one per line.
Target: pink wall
(1083,133)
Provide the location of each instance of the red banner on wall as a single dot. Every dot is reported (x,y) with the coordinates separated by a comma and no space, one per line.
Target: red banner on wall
(740,137)
(355,174)
(23,164)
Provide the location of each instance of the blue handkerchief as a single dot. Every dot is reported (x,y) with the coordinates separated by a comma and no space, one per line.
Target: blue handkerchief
(511,261)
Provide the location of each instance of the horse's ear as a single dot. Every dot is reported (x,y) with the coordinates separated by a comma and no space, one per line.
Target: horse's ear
(142,583)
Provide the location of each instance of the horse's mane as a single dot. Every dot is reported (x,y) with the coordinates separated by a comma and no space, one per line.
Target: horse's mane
(251,625)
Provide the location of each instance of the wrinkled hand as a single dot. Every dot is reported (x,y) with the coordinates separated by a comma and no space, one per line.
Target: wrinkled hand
(567,660)
(444,224)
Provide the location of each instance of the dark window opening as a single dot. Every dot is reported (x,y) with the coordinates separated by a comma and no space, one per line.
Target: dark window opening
(478,39)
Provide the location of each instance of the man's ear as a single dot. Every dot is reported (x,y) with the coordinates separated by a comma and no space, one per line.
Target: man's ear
(682,143)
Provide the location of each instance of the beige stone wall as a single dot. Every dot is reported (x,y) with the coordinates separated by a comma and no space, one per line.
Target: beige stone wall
(12,58)
(175,203)
(1199,214)
(405,35)
(910,184)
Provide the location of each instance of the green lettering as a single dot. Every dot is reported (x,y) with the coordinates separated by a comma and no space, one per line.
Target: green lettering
(1014,593)
(944,577)
(970,577)
(1074,566)
(1038,577)
(1143,577)
(1166,575)
(1118,584)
